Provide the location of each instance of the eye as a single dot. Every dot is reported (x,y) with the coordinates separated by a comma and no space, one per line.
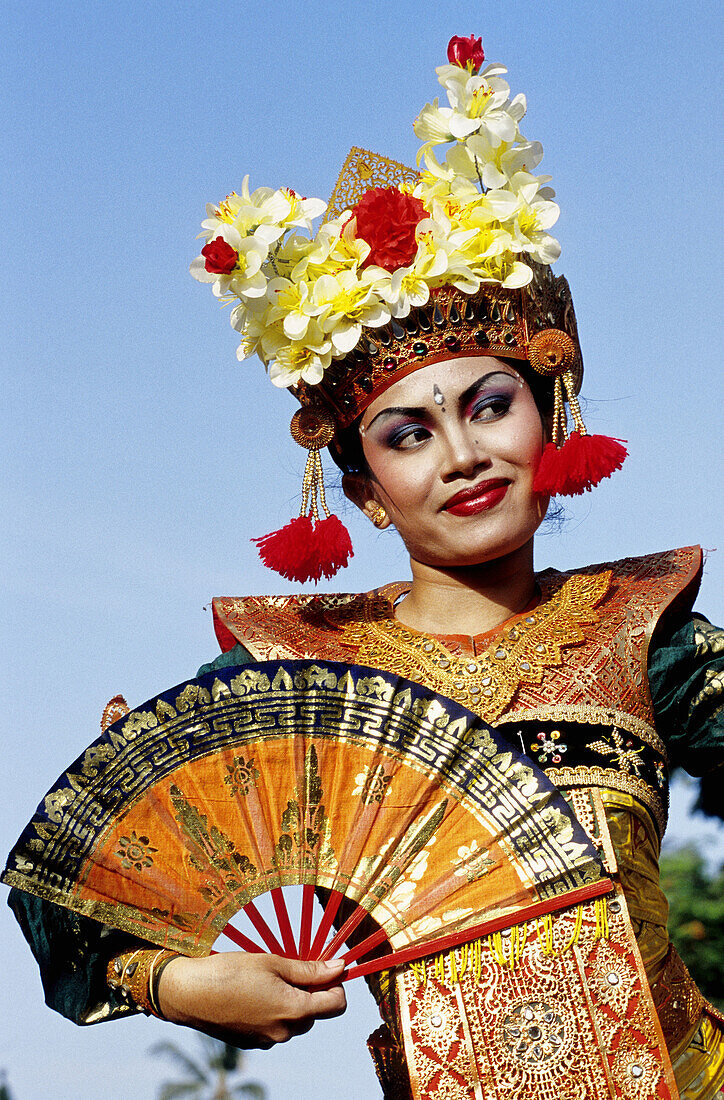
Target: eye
(408,436)
(491,407)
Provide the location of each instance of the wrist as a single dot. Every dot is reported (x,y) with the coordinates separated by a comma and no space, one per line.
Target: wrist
(136,974)
(171,987)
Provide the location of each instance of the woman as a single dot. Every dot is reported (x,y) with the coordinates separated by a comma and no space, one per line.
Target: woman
(444,430)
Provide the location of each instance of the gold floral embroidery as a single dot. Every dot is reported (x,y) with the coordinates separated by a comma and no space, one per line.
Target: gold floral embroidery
(623,753)
(486,684)
(243,775)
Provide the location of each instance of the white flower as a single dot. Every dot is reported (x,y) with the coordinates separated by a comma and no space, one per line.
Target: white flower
(477,103)
(291,303)
(405,289)
(296,362)
(531,222)
(346,301)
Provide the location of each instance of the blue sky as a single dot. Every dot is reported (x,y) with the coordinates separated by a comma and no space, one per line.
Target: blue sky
(142,456)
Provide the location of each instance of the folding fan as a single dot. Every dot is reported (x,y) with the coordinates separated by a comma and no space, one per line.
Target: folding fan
(392,802)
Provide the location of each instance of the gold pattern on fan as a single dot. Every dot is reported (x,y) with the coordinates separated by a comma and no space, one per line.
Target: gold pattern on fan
(486,683)
(306,831)
(361,171)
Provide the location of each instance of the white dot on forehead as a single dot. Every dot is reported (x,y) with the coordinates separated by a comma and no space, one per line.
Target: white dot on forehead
(437,395)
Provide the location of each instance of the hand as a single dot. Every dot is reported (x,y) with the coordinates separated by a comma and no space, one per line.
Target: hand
(250,1000)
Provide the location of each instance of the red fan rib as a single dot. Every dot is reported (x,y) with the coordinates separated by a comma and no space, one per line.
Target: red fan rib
(241,940)
(285,927)
(271,942)
(486,928)
(330,912)
(342,933)
(305,930)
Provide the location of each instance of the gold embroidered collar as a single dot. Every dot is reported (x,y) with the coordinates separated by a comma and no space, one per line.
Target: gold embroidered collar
(519,653)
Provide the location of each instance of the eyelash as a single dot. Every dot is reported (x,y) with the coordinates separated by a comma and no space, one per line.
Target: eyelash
(497,403)
(502,400)
(400,435)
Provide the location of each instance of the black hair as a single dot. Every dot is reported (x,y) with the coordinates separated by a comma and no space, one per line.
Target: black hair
(346,448)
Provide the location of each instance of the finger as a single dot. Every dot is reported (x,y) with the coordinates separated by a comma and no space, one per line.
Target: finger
(301,1027)
(307,972)
(328,1003)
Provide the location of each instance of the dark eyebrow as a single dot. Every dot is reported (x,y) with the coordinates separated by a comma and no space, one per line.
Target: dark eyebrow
(471,391)
(418,413)
(421,413)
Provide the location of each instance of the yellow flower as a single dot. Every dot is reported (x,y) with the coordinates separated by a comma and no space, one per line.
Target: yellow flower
(290,302)
(346,301)
(295,362)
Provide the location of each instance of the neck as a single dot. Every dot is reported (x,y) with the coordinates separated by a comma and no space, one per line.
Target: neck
(468,600)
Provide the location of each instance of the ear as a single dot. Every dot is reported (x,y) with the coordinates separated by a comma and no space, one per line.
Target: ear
(361,491)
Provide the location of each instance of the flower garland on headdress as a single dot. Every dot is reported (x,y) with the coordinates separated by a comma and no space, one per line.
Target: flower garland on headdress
(479,216)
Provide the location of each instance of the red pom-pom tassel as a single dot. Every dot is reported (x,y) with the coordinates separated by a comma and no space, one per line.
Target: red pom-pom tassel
(305,550)
(578,465)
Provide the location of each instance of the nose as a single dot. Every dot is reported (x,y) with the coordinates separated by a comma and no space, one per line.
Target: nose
(463,452)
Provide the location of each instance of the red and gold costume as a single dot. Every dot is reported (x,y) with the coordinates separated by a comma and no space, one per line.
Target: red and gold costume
(569,677)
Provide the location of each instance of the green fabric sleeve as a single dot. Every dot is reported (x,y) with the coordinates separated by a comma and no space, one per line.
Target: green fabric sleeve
(686,677)
(72,953)
(238,655)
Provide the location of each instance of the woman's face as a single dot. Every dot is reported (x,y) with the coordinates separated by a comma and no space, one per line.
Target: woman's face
(452,450)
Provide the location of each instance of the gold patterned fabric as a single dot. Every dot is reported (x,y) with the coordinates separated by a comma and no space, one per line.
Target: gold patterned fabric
(585,644)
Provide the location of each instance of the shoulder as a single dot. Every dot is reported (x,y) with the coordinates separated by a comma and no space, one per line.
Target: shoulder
(303,625)
(679,568)
(642,587)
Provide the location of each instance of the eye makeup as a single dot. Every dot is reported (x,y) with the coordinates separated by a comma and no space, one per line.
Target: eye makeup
(492,396)
(488,398)
(399,436)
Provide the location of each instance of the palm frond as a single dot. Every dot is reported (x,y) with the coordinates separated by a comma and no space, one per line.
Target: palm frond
(172,1091)
(254,1089)
(175,1054)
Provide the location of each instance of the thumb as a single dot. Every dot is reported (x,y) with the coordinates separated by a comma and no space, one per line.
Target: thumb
(309,972)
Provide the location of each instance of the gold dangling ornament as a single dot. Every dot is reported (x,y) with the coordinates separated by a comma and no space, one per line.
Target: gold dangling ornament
(573,462)
(316,543)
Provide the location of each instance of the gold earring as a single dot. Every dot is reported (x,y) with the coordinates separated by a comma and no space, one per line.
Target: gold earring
(378,516)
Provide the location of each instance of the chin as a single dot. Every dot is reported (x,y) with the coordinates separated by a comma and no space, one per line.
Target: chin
(471,557)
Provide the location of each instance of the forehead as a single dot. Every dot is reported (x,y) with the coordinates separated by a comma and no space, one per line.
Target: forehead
(452,377)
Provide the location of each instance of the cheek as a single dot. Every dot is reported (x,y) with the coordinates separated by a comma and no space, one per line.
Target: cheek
(528,439)
(403,477)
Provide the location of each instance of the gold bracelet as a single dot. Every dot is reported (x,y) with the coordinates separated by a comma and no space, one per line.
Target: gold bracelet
(158,965)
(131,973)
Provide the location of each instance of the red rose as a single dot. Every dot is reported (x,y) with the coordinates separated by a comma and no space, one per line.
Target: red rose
(220,257)
(386,220)
(466,52)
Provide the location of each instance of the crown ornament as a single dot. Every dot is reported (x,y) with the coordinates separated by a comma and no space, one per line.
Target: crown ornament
(409,267)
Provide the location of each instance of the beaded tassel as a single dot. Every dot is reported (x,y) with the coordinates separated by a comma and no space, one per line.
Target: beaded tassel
(316,543)
(573,463)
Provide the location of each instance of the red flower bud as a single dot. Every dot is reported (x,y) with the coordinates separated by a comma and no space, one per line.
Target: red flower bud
(386,220)
(220,257)
(466,52)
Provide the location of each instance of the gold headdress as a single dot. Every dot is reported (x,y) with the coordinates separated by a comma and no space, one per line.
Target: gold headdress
(408,269)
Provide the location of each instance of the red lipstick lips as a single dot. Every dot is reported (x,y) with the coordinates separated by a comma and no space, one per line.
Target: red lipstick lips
(478,498)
